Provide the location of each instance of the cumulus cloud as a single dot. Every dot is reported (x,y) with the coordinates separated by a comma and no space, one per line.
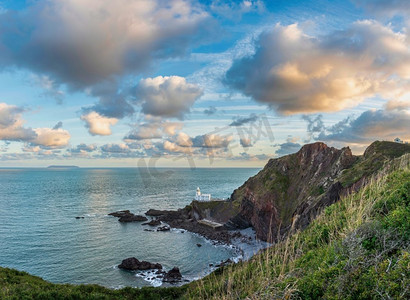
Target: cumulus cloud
(169,96)
(296,73)
(11,124)
(12,129)
(371,125)
(153,129)
(92,45)
(239,121)
(81,43)
(183,140)
(48,137)
(398,104)
(207,144)
(98,124)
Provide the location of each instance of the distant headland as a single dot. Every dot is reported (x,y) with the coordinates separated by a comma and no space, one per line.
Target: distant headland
(62,167)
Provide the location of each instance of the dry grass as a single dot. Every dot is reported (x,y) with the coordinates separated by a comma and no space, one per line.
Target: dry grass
(275,273)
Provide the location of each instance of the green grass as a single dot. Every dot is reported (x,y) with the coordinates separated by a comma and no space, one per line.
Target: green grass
(376,155)
(21,285)
(357,248)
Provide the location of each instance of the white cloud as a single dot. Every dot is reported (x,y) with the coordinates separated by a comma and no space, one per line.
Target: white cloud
(294,73)
(153,129)
(98,124)
(167,96)
(12,129)
(54,138)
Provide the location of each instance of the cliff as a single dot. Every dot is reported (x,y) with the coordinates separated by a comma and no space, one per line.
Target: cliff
(290,191)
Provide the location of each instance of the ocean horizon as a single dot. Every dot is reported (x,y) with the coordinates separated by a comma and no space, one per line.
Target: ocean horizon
(41,235)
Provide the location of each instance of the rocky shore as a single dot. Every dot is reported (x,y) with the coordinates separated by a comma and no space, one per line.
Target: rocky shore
(184,219)
(133,264)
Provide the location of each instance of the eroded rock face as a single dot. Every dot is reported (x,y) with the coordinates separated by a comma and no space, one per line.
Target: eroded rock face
(132,263)
(290,191)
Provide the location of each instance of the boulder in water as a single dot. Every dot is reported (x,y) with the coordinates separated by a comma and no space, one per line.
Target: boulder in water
(173,276)
(132,263)
(127,216)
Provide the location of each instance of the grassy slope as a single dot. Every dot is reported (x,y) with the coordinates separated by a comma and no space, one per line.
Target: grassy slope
(358,248)
(21,285)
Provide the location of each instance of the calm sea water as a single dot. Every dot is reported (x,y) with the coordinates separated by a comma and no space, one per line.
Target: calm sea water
(39,233)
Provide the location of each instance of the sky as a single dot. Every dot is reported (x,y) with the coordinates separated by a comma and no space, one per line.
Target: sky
(178,83)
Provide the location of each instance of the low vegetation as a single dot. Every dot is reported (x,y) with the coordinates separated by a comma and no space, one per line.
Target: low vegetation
(357,248)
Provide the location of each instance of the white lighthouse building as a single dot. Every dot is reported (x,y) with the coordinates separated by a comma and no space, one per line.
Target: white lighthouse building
(202,197)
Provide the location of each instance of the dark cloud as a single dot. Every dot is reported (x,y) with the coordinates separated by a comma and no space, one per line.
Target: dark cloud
(239,121)
(293,72)
(81,43)
(287,148)
(92,45)
(58,125)
(210,111)
(115,148)
(83,148)
(371,125)
(211,141)
(112,101)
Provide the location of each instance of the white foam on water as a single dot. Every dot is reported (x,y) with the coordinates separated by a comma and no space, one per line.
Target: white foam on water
(150,276)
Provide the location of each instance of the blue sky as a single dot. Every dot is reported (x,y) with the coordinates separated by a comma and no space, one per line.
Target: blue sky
(198,83)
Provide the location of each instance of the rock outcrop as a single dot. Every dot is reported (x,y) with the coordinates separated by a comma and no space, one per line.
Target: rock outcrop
(125,216)
(290,191)
(133,264)
(173,276)
(153,223)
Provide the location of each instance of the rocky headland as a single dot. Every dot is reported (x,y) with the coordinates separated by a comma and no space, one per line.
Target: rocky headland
(287,194)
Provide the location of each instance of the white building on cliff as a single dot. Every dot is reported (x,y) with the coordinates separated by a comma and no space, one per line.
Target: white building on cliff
(202,197)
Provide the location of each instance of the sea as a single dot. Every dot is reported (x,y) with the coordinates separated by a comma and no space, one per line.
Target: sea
(40,234)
